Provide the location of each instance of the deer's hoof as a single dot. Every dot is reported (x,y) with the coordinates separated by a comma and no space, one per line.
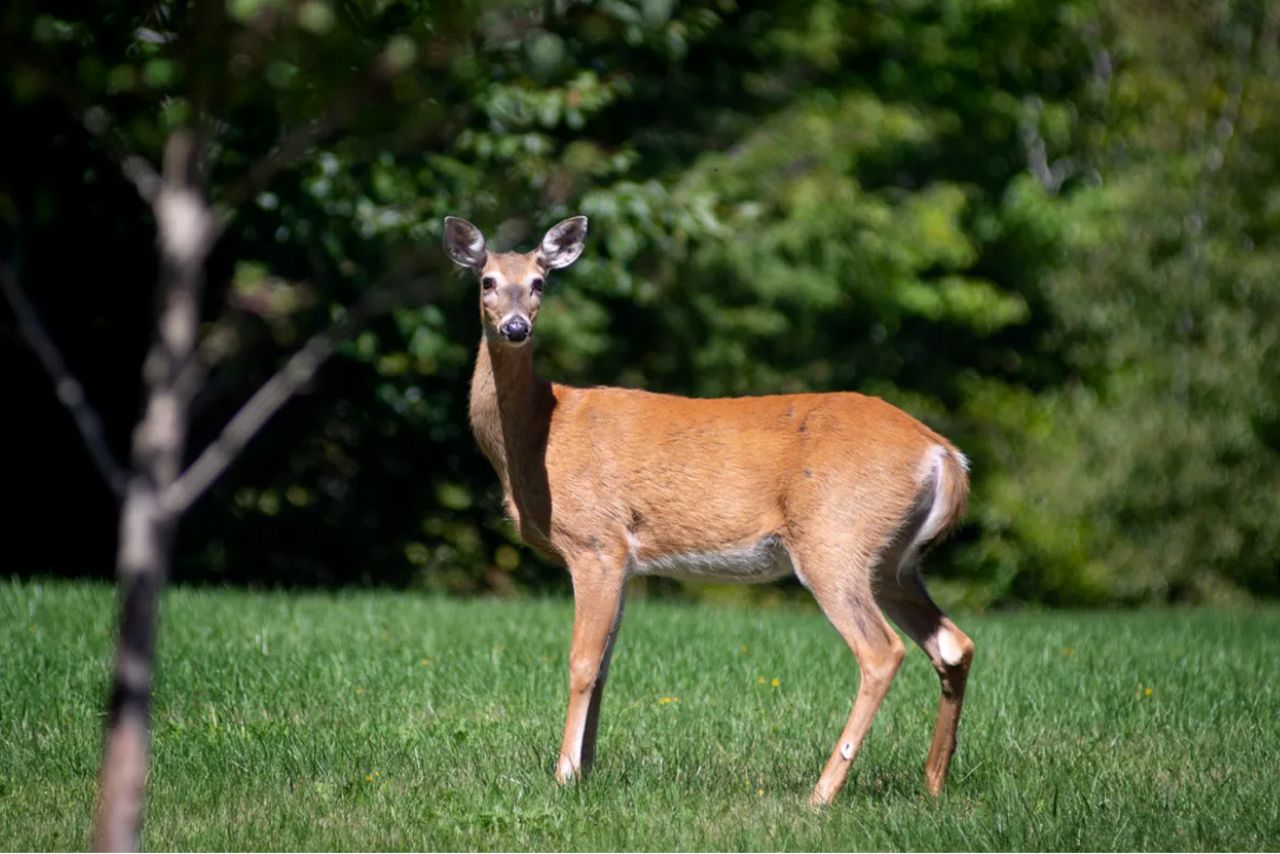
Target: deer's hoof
(820,798)
(566,773)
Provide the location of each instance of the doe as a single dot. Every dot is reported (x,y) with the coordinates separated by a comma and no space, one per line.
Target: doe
(843,490)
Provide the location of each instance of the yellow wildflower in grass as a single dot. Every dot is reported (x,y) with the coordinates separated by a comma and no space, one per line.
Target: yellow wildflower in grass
(759,680)
(1143,691)
(776,682)
(1146,692)
(665,701)
(760,792)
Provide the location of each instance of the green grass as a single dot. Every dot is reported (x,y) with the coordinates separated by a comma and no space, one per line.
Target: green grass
(394,721)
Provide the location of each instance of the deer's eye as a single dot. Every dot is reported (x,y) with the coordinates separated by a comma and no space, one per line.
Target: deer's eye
(488,283)
(537,284)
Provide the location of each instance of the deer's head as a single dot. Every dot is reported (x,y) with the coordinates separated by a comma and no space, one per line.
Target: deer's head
(511,283)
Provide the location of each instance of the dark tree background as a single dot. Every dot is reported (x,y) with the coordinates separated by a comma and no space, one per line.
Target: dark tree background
(1047,229)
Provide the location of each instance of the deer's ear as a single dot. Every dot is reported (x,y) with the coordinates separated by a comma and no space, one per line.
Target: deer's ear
(464,243)
(564,243)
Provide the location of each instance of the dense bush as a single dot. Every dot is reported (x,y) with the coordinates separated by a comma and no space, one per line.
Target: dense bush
(1047,229)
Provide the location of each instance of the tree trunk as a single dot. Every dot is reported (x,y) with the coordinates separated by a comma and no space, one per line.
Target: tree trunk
(147,525)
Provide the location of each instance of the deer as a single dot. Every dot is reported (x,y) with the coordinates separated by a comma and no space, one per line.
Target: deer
(844,491)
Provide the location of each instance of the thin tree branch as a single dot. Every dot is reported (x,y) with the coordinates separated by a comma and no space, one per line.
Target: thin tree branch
(291,378)
(289,149)
(68,389)
(94,119)
(136,169)
(302,138)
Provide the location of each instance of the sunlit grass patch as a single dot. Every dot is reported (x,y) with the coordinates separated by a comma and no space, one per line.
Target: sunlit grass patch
(384,720)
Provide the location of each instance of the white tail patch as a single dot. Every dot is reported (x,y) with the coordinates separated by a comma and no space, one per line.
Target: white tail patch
(933,467)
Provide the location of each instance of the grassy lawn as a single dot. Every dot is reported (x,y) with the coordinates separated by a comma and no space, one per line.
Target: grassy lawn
(385,720)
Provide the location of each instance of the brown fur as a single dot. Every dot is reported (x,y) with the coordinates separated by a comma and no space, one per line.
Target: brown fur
(583,467)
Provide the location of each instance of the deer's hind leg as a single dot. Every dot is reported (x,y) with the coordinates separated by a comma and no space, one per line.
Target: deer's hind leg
(904,598)
(840,580)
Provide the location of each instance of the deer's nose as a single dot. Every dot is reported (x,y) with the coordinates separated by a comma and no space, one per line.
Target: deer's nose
(515,330)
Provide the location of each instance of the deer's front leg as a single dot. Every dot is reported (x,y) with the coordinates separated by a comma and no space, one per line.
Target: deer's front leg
(597,599)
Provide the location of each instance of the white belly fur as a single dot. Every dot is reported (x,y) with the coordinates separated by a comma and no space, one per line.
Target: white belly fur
(767,560)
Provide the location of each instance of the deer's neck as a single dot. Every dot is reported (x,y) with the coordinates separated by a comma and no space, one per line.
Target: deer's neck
(510,411)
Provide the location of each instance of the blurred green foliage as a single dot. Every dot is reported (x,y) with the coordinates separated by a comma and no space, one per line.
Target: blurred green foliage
(1047,229)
